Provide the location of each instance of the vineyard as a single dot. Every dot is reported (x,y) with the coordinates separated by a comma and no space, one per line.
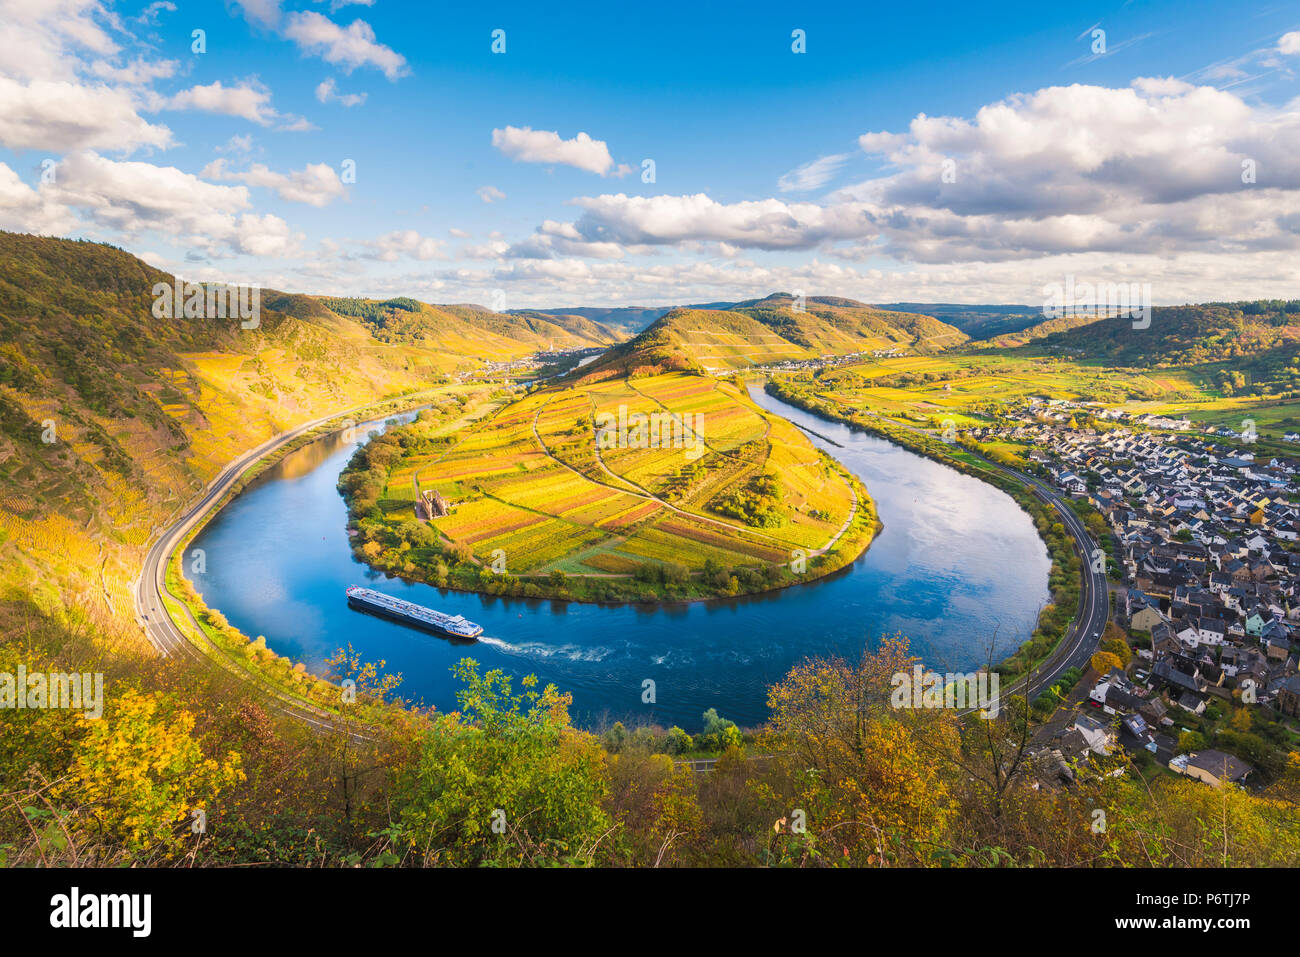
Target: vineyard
(541,487)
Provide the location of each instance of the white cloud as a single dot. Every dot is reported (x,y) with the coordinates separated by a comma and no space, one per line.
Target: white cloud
(490,194)
(493,249)
(43,40)
(349,47)
(1290,43)
(239,143)
(668,220)
(252,103)
(150,13)
(1156,166)
(325,92)
(526,145)
(406,243)
(25,210)
(139,72)
(812,175)
(134,198)
(61,116)
(316,185)
(263,13)
(457,233)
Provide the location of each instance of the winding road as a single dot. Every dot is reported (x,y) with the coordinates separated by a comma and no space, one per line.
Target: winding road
(164,634)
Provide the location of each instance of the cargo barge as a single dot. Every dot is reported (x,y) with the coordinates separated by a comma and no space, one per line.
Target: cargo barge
(409,613)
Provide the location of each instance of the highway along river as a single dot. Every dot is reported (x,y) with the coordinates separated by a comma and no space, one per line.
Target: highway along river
(957,564)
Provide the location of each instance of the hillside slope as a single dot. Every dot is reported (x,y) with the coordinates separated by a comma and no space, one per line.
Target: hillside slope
(111,418)
(1252,344)
(833,326)
(623,321)
(469,330)
(764,331)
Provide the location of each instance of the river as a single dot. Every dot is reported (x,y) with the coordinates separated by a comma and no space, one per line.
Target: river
(957,568)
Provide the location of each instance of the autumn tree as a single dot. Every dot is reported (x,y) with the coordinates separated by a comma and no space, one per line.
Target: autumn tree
(505,781)
(141,773)
(861,774)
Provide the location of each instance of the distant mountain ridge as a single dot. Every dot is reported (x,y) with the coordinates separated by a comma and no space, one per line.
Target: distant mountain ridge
(976,320)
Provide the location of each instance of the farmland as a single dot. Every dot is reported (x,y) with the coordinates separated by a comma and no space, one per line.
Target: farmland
(970,390)
(674,485)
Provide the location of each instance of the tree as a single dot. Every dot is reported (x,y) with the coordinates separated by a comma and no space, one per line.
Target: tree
(144,772)
(1103,661)
(507,781)
(678,741)
(865,774)
(1119,648)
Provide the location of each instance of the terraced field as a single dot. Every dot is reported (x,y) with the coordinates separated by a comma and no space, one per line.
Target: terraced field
(563,480)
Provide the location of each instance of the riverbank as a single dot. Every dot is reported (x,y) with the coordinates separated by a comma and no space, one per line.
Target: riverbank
(208,632)
(1064,580)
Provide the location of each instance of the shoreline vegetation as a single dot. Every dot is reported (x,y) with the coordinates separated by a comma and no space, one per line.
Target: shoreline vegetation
(1064,581)
(750,505)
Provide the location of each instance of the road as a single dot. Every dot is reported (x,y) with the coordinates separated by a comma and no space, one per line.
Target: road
(1079,644)
(163,632)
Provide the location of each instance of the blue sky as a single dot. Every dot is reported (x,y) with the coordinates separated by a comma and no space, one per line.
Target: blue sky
(922,152)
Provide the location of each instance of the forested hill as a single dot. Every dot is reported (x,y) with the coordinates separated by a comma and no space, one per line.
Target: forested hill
(1251,346)
(469,329)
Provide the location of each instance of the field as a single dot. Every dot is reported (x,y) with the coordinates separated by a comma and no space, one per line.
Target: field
(966,387)
(970,390)
(561,480)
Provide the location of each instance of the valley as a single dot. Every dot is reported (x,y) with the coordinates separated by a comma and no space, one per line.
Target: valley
(607,504)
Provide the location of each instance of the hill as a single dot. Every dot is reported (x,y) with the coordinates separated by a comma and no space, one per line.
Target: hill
(1012,337)
(834,326)
(765,331)
(976,320)
(1244,345)
(623,321)
(111,417)
(470,330)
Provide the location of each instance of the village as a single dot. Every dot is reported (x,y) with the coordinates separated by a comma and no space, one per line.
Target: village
(1205,574)
(826,361)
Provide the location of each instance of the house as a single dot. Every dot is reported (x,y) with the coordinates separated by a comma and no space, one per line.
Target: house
(1155,712)
(1288,696)
(1178,674)
(1276,648)
(1163,640)
(1098,738)
(1135,735)
(1144,616)
(1216,767)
